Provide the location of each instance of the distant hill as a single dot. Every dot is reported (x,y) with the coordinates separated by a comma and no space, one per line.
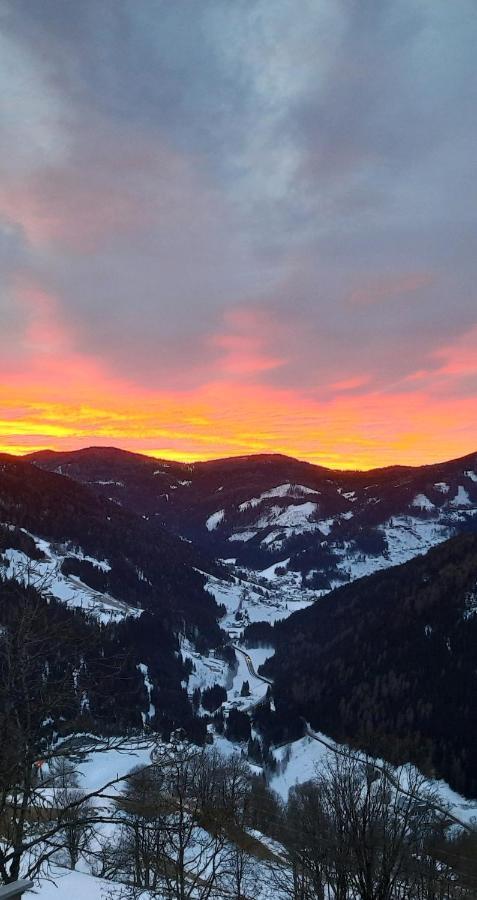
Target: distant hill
(267,510)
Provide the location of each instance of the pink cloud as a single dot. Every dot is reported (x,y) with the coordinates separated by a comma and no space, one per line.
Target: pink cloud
(243,355)
(350,384)
(244,345)
(459,359)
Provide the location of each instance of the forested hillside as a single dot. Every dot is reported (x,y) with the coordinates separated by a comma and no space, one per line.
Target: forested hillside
(389,664)
(141,588)
(146,566)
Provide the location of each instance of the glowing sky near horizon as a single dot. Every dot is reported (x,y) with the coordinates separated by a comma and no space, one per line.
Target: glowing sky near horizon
(231,228)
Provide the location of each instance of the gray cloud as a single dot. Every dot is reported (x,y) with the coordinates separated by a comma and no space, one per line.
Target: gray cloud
(177,161)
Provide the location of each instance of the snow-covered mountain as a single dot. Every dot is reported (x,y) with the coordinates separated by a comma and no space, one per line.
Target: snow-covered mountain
(277,515)
(289,533)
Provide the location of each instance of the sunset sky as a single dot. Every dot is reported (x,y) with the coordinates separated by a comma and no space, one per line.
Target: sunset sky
(236,226)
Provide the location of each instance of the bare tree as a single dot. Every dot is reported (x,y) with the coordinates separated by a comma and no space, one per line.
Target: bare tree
(242,878)
(383,818)
(40,687)
(77,815)
(173,839)
(359,830)
(184,832)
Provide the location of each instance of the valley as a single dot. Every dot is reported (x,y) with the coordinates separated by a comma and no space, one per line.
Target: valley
(263,630)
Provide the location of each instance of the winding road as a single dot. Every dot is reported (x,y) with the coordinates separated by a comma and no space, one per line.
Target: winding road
(250,665)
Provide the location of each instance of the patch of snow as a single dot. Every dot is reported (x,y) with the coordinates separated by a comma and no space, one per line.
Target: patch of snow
(208,670)
(101,767)
(325,525)
(249,504)
(269,517)
(406,537)
(442,487)
(297,763)
(282,490)
(99,563)
(461,498)
(259,655)
(215,519)
(46,574)
(271,572)
(148,685)
(422,502)
(269,538)
(296,515)
(116,483)
(267,601)
(471,475)
(75,885)
(242,536)
(225,592)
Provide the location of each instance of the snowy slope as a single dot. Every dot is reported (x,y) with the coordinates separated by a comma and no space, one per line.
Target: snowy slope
(300,761)
(45,574)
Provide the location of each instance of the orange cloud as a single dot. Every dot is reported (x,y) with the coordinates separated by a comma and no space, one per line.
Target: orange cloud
(226,418)
(54,396)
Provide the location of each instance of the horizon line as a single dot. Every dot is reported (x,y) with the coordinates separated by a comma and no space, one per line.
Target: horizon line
(193,462)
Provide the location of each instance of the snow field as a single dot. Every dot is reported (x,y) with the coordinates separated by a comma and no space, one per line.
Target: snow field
(47,576)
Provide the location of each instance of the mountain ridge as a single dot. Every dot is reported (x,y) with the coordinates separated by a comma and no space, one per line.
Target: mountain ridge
(266,511)
(48,453)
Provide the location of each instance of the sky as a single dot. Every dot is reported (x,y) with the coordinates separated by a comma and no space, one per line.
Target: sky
(239,226)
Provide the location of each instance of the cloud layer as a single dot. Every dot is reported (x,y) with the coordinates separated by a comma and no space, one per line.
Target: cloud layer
(238,227)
